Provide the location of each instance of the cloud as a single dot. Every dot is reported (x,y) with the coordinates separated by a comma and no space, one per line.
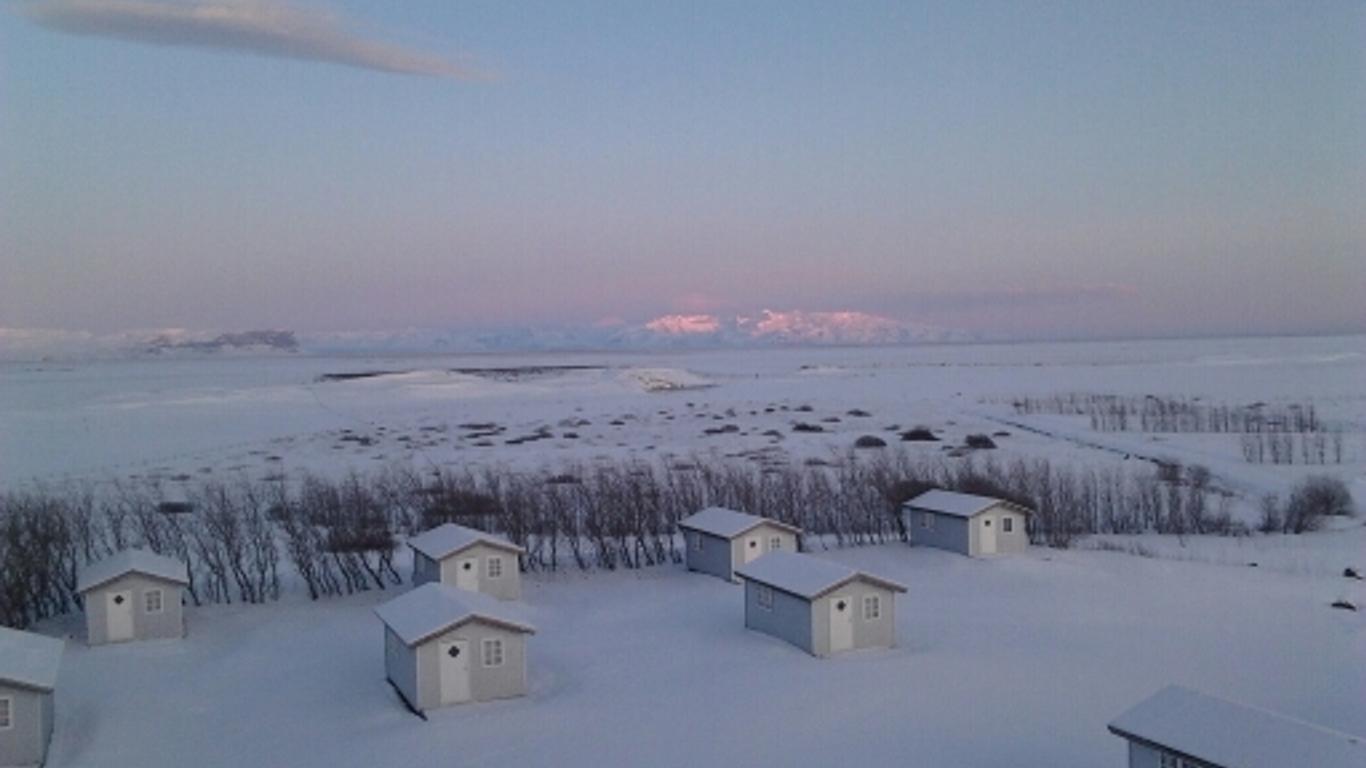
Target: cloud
(264,27)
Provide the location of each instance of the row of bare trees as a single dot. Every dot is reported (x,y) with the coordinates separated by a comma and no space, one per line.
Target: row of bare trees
(1292,448)
(248,540)
(1149,413)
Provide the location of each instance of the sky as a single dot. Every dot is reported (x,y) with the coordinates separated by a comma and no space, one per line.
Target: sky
(1030,170)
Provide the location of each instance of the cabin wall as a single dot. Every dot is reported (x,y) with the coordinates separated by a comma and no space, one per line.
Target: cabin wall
(169,623)
(25,743)
(715,556)
(486,683)
(789,619)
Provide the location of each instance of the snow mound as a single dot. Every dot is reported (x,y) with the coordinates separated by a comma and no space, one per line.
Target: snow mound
(667,379)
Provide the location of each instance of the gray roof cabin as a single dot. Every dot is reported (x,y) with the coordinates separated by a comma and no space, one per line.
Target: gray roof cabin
(819,606)
(446,646)
(469,559)
(1181,728)
(970,525)
(133,595)
(28,677)
(719,540)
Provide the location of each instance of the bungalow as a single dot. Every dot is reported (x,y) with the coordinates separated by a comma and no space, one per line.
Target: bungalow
(468,559)
(28,677)
(721,540)
(133,595)
(819,606)
(444,645)
(967,524)
(1181,728)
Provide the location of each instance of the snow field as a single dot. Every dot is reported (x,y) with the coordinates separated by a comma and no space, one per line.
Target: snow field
(1012,661)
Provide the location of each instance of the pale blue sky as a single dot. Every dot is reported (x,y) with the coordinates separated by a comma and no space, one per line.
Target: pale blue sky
(1074,169)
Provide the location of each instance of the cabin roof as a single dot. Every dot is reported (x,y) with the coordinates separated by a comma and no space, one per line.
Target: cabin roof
(960,504)
(29,660)
(132,561)
(727,523)
(447,539)
(434,608)
(806,576)
(1234,735)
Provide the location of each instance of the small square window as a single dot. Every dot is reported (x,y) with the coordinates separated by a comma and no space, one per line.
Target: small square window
(6,713)
(494,566)
(493,652)
(775,544)
(764,595)
(153,601)
(872,607)
(1007,524)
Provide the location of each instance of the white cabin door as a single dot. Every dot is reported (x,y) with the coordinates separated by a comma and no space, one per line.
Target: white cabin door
(118,612)
(455,671)
(752,549)
(467,573)
(986,539)
(841,623)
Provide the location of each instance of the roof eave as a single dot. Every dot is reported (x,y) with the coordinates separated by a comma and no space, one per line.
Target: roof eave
(82,589)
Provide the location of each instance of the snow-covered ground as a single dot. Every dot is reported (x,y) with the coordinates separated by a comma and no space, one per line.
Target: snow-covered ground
(265,416)
(1013,661)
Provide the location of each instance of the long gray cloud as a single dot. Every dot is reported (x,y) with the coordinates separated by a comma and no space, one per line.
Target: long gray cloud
(265,27)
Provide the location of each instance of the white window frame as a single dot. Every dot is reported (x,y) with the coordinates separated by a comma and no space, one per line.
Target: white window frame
(492,647)
(764,597)
(490,562)
(873,602)
(8,721)
(775,543)
(147,600)
(927,520)
(697,541)
(1007,524)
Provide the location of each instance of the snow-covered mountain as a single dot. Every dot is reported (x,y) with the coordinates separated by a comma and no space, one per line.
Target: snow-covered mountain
(698,331)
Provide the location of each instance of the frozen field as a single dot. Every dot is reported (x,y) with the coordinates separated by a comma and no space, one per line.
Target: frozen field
(1018,661)
(173,419)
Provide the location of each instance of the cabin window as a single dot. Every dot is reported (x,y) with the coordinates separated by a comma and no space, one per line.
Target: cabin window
(775,544)
(493,652)
(153,601)
(697,542)
(927,520)
(872,607)
(1007,524)
(6,713)
(764,595)
(494,565)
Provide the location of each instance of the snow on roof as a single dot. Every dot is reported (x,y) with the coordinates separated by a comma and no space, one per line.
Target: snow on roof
(446,539)
(434,608)
(29,660)
(132,561)
(727,523)
(1234,735)
(958,504)
(804,575)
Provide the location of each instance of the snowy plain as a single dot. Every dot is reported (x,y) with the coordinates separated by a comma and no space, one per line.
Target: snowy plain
(1012,661)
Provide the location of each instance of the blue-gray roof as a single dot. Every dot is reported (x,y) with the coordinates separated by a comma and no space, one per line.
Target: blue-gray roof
(806,576)
(1233,735)
(727,523)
